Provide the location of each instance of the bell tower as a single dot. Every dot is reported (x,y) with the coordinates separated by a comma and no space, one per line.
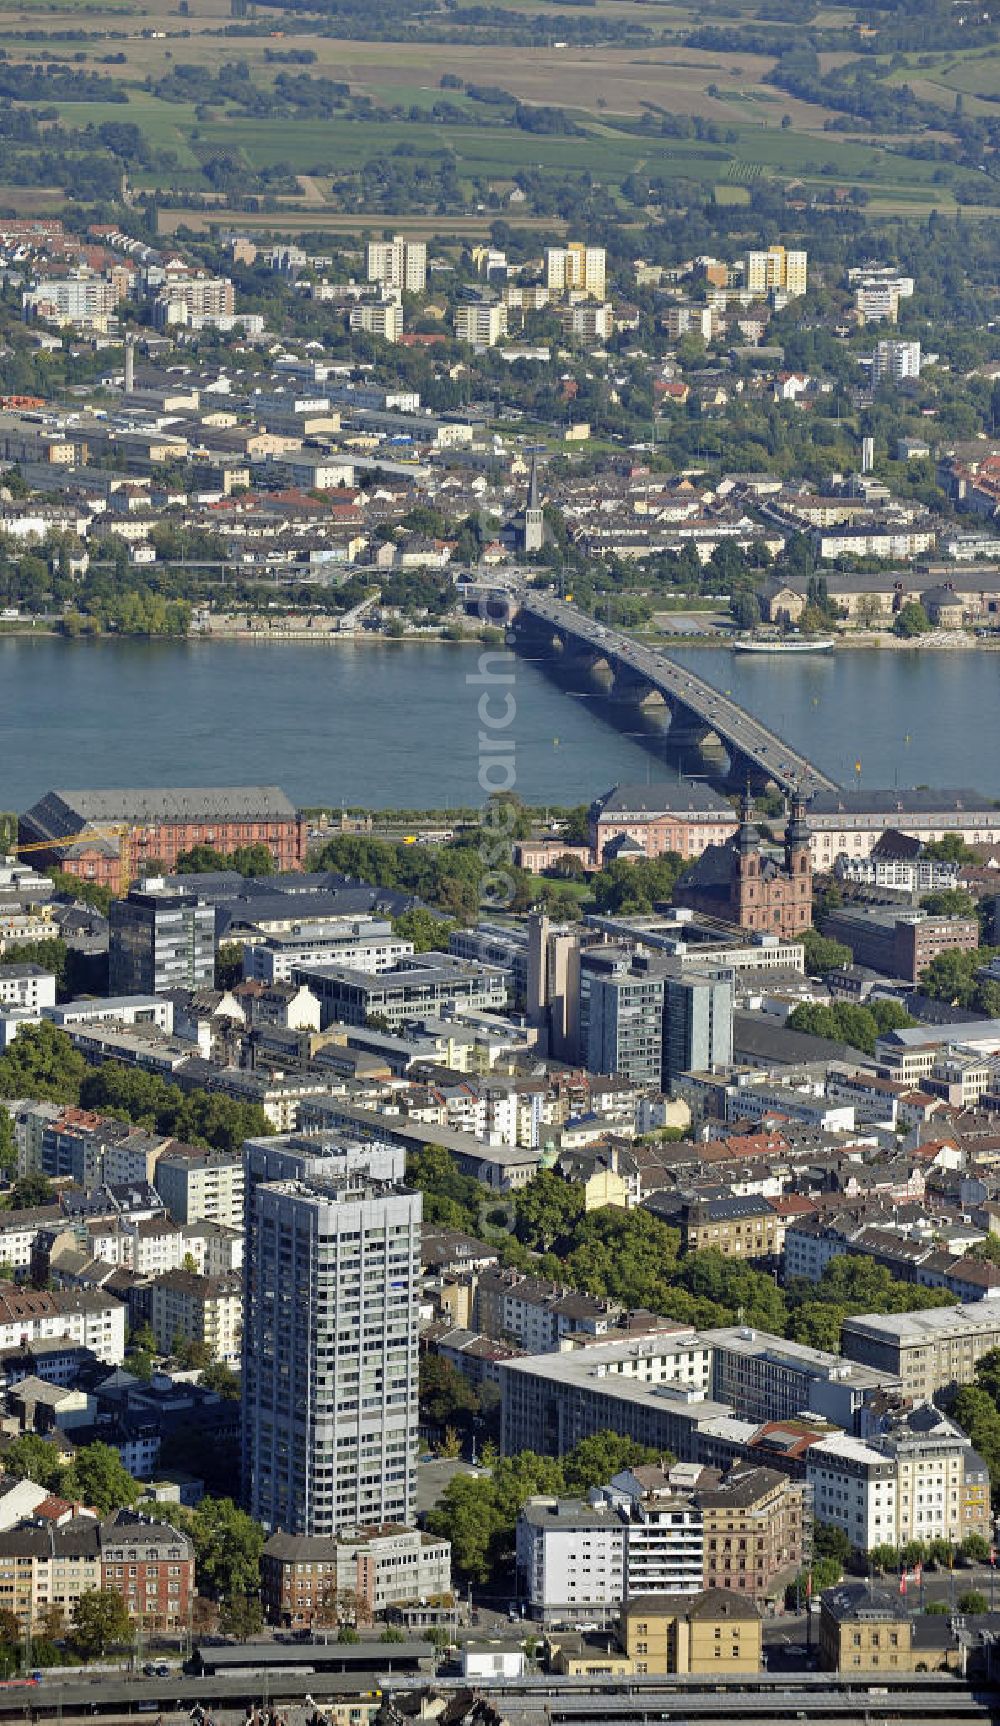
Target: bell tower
(534,518)
(747,890)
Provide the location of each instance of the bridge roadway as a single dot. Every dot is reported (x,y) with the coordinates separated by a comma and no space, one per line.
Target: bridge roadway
(698,710)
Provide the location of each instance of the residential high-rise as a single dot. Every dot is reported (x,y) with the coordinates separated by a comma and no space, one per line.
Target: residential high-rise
(384,318)
(777,271)
(576,268)
(399,263)
(330,1352)
(160,941)
(893,362)
(481,323)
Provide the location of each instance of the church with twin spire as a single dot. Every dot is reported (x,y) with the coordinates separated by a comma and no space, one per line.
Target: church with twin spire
(751,884)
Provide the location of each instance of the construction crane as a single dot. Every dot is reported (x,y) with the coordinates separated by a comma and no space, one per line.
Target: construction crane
(121,830)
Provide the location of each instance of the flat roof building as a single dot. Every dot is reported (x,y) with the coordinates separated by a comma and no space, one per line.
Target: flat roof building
(926,1351)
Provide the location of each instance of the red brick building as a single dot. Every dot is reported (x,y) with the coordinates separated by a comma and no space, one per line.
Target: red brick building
(151,1565)
(87,833)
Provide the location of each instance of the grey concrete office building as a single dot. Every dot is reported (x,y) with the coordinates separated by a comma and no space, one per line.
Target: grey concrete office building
(330,1353)
(697,1023)
(160,941)
(624,1019)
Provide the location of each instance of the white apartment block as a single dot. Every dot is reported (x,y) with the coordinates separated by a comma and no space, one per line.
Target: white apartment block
(909,1485)
(398,263)
(19,1230)
(481,323)
(90,1319)
(877,293)
(588,323)
(384,319)
(27,986)
(893,362)
(571,1558)
(664,1550)
(216,1249)
(854,1489)
(576,267)
(193,1308)
(367,945)
(82,298)
(191,297)
(201,1185)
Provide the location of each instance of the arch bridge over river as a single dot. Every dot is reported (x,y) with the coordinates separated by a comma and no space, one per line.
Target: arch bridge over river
(701,717)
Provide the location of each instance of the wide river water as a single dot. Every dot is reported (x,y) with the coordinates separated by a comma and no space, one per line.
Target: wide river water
(395,725)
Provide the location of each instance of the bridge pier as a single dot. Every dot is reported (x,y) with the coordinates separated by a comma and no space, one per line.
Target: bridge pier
(629,686)
(705,722)
(747,774)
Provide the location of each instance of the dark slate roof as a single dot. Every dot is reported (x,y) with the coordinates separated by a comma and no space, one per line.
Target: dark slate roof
(667,794)
(918,801)
(892,844)
(63,812)
(753,1034)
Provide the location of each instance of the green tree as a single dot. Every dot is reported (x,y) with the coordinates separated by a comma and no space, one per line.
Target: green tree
(973,1602)
(100,1622)
(8,1144)
(42,1062)
(451,1200)
(596,1460)
(34,1458)
(478,1514)
(977,1414)
(950,848)
(823,955)
(831,1542)
(911,620)
(227,1544)
(222,1379)
(976,1547)
(547,1210)
(241,1617)
(950,903)
(98,1477)
(428,932)
(445,1393)
(90,893)
(228,965)
(952,976)
(30,1191)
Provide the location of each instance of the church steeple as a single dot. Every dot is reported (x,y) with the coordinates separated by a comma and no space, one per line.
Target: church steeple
(533,532)
(748,838)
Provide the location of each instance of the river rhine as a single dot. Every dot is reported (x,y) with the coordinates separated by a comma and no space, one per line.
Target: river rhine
(392,725)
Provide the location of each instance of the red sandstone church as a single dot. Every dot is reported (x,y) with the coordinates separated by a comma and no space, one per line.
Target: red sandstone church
(744,883)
